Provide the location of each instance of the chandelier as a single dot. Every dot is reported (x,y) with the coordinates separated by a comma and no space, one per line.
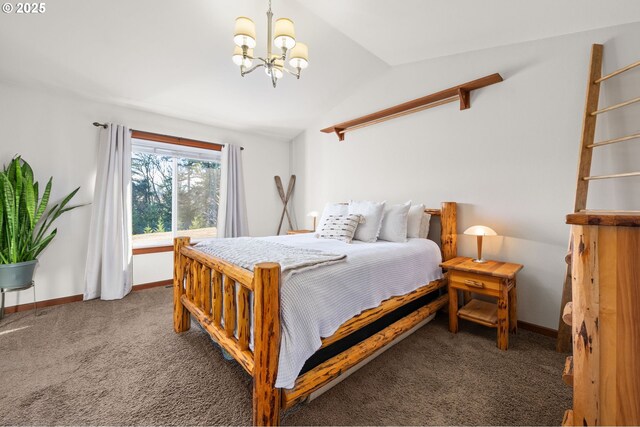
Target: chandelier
(284,38)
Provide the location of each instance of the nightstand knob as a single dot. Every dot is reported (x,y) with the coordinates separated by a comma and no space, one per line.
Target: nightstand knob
(474,283)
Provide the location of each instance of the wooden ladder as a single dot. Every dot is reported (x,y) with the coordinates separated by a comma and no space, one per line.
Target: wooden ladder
(587,144)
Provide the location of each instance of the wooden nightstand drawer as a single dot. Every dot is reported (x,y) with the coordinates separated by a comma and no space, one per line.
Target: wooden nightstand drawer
(473,282)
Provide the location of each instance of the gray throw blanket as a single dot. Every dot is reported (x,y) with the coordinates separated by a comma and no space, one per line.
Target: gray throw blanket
(246,252)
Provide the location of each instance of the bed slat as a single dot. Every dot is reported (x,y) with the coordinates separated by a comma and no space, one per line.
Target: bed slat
(205,280)
(195,284)
(244,327)
(229,305)
(216,285)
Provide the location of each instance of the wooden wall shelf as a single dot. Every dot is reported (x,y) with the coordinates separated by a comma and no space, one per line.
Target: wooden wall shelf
(460,92)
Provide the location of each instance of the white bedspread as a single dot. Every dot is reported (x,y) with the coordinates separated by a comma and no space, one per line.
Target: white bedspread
(316,302)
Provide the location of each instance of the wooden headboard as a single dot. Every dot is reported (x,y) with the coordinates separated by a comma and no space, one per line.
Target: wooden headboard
(448,214)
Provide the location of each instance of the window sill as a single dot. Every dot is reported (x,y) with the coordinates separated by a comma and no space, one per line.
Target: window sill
(162,247)
(152,249)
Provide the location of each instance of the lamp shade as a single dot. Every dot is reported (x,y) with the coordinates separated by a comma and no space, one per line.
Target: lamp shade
(299,56)
(245,32)
(284,35)
(238,58)
(278,66)
(480,230)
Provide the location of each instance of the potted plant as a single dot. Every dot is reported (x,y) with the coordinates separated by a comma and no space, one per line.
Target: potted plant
(24,222)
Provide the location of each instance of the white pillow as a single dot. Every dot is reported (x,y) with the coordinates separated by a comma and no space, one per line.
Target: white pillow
(332,209)
(424,226)
(372,212)
(394,223)
(339,227)
(414,220)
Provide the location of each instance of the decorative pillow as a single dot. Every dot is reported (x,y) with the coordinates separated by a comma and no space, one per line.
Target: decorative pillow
(333,209)
(414,220)
(424,226)
(372,212)
(394,223)
(339,227)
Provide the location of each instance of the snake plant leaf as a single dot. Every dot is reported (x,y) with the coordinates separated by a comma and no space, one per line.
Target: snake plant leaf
(2,233)
(40,246)
(30,199)
(9,211)
(45,200)
(11,170)
(57,210)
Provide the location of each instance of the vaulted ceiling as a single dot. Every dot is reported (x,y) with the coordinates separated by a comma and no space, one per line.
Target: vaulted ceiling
(173,57)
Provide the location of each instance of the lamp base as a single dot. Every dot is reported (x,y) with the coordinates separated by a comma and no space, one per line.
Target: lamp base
(480,261)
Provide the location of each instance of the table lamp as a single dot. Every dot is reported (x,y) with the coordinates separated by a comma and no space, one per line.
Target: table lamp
(314,215)
(479,231)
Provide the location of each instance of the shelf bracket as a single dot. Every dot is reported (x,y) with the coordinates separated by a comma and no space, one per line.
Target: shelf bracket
(465,99)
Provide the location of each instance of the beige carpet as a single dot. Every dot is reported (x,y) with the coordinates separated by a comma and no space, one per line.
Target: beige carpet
(119,363)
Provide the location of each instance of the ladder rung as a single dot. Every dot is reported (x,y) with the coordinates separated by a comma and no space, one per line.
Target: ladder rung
(613,107)
(620,71)
(615,175)
(613,141)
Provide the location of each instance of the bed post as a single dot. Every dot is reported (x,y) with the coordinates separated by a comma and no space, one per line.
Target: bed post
(181,316)
(266,329)
(448,233)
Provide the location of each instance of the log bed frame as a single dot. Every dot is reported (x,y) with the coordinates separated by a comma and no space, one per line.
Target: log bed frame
(204,288)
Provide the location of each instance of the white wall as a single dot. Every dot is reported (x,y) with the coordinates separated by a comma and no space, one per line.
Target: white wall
(509,161)
(53,132)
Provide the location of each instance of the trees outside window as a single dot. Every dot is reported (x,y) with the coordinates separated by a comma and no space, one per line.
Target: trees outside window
(175,192)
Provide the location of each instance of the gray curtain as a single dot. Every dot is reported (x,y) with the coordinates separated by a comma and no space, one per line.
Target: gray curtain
(232,212)
(108,273)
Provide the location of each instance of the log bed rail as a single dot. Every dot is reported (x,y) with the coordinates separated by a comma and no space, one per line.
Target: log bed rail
(217,294)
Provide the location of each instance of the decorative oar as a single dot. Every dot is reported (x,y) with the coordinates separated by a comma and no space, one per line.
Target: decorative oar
(285,199)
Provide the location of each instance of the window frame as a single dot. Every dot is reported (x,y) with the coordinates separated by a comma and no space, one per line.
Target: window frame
(169,140)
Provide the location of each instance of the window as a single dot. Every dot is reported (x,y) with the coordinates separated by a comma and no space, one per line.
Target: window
(175,189)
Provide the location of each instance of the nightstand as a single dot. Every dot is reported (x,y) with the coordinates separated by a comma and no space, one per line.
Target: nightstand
(299,231)
(491,278)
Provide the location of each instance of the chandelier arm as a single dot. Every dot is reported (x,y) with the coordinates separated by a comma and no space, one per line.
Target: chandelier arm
(250,70)
(293,73)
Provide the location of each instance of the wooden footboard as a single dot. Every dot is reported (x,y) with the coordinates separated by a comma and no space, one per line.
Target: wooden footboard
(217,294)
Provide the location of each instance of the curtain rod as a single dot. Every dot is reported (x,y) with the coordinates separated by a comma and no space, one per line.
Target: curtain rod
(104,125)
